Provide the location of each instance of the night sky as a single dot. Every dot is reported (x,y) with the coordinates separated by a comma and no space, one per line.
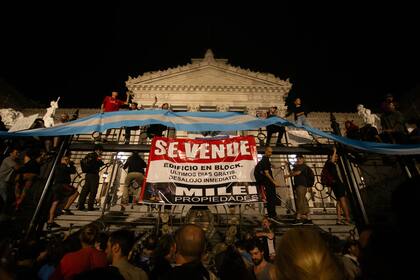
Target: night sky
(336,56)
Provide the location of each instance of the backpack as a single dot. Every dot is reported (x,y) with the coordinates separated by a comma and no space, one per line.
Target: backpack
(310,177)
(87,163)
(326,178)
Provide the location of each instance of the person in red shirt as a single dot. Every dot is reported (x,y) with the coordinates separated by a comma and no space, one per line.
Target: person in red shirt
(112,104)
(85,259)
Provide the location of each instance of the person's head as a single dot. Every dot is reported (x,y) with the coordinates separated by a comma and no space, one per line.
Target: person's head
(89,234)
(268,151)
(14,153)
(98,149)
(273,109)
(165,247)
(389,97)
(300,159)
(65,159)
(347,124)
(114,94)
(165,106)
(230,265)
(190,242)
(302,253)
(256,250)
(265,223)
(101,241)
(64,118)
(297,101)
(38,123)
(360,107)
(351,247)
(133,106)
(119,244)
(333,155)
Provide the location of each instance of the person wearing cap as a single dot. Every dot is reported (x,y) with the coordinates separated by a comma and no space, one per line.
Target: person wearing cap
(300,174)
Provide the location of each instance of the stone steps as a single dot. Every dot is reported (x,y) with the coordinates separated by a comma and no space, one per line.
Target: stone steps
(142,217)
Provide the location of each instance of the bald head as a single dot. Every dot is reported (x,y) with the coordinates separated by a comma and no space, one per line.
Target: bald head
(268,151)
(190,242)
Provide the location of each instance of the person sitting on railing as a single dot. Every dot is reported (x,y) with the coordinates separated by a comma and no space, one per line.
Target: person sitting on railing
(393,126)
(132,107)
(112,104)
(273,128)
(299,112)
(157,129)
(352,130)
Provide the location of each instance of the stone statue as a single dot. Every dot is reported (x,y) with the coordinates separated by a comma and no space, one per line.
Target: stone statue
(49,115)
(368,117)
(10,116)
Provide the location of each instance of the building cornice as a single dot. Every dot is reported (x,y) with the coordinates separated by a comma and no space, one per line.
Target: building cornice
(211,88)
(209,61)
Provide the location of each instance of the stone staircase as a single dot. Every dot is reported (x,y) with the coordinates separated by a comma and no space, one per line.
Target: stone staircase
(144,218)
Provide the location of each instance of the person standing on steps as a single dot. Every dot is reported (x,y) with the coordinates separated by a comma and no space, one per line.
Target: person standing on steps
(264,176)
(91,168)
(62,190)
(135,166)
(331,179)
(302,177)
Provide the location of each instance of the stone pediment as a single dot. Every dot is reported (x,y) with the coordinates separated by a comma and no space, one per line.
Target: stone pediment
(207,72)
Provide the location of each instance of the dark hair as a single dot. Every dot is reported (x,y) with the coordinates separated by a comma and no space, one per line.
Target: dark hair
(256,243)
(89,234)
(124,238)
(230,265)
(99,147)
(164,246)
(348,245)
(102,240)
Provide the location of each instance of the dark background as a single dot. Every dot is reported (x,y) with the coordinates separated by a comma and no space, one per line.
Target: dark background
(336,56)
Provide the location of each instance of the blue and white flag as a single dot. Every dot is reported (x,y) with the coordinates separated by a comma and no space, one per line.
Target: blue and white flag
(199,121)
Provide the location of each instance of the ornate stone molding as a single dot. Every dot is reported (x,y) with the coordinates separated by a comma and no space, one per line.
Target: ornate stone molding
(209,60)
(212,88)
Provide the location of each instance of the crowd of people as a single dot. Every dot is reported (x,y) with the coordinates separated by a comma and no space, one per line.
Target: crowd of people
(301,253)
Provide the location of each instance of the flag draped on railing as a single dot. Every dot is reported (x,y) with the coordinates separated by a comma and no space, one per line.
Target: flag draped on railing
(199,121)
